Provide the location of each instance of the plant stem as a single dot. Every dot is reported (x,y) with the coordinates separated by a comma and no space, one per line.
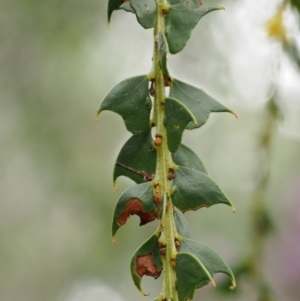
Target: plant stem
(161,180)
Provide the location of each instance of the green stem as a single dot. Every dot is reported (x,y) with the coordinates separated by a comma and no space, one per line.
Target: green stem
(261,223)
(161,181)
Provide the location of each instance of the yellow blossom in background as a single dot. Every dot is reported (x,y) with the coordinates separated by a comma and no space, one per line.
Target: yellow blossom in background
(275,27)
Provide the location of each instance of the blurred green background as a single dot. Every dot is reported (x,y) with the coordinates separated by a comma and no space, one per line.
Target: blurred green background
(58,59)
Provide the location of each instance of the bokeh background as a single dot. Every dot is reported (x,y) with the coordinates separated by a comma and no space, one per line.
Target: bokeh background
(58,59)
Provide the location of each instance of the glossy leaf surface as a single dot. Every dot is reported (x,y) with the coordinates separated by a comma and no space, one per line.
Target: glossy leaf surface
(130,99)
(193,190)
(189,272)
(180,21)
(197,101)
(145,12)
(187,158)
(208,257)
(136,200)
(146,261)
(181,223)
(177,116)
(138,153)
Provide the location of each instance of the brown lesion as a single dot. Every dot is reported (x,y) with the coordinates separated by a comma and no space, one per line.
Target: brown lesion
(177,245)
(157,194)
(152,89)
(167,81)
(144,265)
(171,174)
(134,207)
(158,139)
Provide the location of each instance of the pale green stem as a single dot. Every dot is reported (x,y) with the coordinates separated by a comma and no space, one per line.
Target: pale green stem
(167,238)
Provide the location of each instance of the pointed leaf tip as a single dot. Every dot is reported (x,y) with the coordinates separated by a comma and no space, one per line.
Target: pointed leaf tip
(193,190)
(234,114)
(130,99)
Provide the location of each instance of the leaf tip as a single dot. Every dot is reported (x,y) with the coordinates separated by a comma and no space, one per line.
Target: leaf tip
(233,208)
(115,186)
(213,283)
(96,118)
(113,240)
(233,286)
(234,114)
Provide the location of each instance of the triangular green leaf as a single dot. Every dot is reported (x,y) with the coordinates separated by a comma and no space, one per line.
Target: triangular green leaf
(181,223)
(180,21)
(163,51)
(146,261)
(197,101)
(138,153)
(145,12)
(177,116)
(189,272)
(187,158)
(193,190)
(130,99)
(136,200)
(209,258)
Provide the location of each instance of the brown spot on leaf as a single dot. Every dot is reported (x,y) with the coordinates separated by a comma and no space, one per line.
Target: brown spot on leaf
(134,207)
(144,265)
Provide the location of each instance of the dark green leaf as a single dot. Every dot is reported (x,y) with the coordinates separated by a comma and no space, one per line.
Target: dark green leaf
(130,99)
(296,4)
(136,200)
(177,116)
(193,190)
(187,158)
(116,5)
(180,21)
(197,101)
(145,12)
(163,51)
(189,272)
(181,223)
(138,153)
(212,262)
(146,261)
